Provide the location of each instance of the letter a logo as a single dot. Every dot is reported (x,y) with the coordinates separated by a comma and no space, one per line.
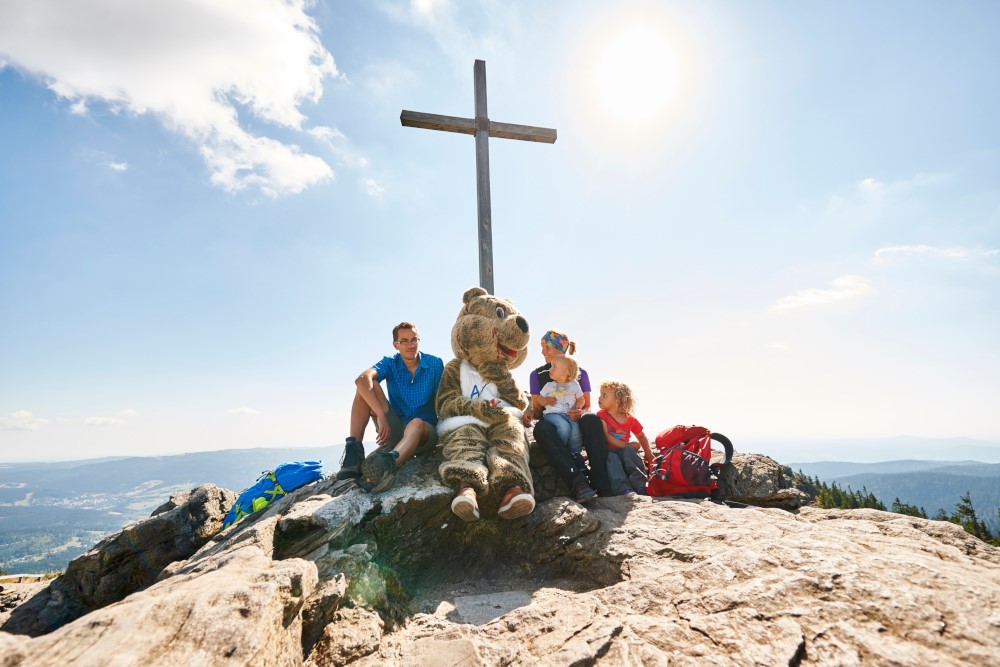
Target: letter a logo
(475,392)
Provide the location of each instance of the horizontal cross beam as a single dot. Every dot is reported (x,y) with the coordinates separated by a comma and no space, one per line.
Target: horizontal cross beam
(430,121)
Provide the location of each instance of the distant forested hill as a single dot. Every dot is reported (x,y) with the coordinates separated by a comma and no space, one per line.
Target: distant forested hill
(931,485)
(52,512)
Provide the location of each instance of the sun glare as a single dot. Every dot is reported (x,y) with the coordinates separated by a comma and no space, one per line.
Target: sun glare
(636,75)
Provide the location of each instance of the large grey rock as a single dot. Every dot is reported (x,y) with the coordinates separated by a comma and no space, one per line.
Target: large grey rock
(237,608)
(703,584)
(758,480)
(125,562)
(333,576)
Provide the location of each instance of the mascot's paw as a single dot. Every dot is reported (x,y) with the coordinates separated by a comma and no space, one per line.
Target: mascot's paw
(464,506)
(492,414)
(516,503)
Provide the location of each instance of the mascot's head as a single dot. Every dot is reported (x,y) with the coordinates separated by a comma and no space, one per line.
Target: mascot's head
(489,329)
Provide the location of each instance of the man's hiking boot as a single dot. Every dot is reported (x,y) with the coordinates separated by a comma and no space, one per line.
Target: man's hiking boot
(516,503)
(464,505)
(350,462)
(582,493)
(378,472)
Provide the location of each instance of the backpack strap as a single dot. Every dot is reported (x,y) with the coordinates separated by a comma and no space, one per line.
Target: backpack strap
(728,446)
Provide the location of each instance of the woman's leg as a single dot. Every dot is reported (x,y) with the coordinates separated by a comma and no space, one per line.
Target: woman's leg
(592,432)
(557,453)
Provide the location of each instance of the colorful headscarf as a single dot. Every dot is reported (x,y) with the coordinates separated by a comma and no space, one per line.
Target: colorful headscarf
(556,340)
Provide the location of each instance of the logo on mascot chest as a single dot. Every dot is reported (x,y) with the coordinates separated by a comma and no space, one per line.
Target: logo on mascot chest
(477,394)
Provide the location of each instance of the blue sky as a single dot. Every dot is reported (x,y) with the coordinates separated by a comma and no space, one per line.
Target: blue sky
(780,220)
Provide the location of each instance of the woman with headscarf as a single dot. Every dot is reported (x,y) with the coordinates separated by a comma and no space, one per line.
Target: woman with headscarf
(556,343)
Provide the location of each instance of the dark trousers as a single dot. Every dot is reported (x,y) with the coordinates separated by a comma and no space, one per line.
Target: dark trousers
(559,456)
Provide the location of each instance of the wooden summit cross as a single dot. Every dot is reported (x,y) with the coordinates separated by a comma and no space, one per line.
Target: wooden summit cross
(483,128)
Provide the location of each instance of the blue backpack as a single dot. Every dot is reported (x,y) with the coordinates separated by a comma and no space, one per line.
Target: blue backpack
(271,485)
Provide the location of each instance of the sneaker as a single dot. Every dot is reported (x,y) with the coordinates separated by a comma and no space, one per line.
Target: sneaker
(378,472)
(350,462)
(582,493)
(465,506)
(516,503)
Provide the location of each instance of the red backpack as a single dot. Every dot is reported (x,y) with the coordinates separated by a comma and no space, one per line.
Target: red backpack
(683,467)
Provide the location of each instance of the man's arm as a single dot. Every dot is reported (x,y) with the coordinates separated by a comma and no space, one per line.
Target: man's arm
(366,386)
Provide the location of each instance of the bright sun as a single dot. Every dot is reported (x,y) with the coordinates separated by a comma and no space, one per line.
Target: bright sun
(636,75)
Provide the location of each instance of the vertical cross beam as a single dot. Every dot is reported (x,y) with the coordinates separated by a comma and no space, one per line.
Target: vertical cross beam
(483,178)
(483,128)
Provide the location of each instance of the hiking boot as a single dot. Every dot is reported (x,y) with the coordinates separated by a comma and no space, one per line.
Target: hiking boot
(378,472)
(582,493)
(350,462)
(516,503)
(464,505)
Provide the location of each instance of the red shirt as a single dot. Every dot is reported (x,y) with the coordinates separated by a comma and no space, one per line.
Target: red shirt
(622,432)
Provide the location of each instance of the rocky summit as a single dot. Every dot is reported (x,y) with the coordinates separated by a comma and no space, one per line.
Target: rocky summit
(329,575)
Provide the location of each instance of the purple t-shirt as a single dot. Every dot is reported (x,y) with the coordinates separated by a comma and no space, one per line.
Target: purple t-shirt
(540,377)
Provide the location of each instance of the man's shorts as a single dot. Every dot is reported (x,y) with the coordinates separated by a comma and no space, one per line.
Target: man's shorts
(396,434)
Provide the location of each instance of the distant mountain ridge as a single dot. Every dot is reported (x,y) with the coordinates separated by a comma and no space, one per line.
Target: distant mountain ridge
(873,450)
(931,485)
(51,512)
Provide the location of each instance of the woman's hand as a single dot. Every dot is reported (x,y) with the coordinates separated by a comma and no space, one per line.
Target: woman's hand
(575,414)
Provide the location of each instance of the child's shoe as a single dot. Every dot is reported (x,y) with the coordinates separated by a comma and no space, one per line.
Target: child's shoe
(516,503)
(464,506)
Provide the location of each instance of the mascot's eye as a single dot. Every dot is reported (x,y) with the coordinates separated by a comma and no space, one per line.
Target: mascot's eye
(501,313)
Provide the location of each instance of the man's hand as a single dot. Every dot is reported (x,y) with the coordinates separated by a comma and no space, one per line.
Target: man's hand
(527,418)
(547,400)
(382,424)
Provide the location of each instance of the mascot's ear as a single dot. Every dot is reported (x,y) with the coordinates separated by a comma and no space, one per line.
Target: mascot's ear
(472,293)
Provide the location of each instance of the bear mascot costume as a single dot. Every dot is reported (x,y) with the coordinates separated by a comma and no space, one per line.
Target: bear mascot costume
(480,410)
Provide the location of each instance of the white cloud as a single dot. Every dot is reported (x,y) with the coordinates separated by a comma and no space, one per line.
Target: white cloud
(869,199)
(103,421)
(451,33)
(339,145)
(21,420)
(128,413)
(195,64)
(379,79)
(244,410)
(118,166)
(372,188)
(934,252)
(427,6)
(841,289)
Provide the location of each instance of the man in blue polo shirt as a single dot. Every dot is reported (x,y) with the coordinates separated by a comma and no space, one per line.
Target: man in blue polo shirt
(405,422)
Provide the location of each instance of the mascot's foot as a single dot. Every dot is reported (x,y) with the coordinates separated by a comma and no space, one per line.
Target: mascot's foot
(464,505)
(516,503)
